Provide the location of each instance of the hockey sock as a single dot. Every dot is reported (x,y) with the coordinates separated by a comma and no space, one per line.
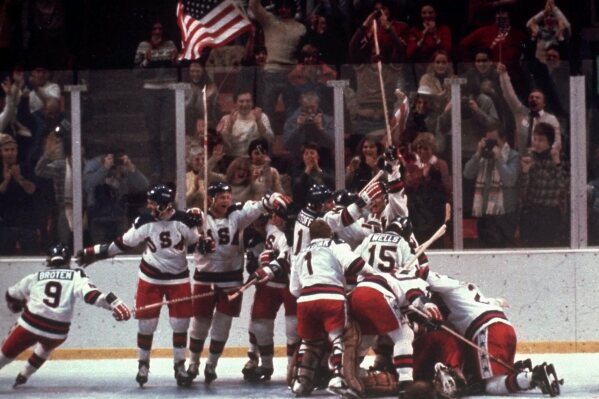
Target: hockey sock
(180,327)
(221,325)
(35,361)
(196,346)
(500,385)
(145,337)
(336,339)
(216,350)
(403,352)
(266,354)
(253,348)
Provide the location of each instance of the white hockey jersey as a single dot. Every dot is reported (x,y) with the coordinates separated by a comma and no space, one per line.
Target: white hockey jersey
(405,290)
(164,259)
(397,202)
(51,296)
(348,224)
(469,310)
(385,252)
(277,241)
(319,271)
(224,267)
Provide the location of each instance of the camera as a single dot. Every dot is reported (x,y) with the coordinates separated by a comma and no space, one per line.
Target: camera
(377,13)
(488,148)
(310,118)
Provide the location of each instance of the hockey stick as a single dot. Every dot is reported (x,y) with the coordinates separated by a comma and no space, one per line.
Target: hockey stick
(244,287)
(379,65)
(465,340)
(171,301)
(205,223)
(374,178)
(424,246)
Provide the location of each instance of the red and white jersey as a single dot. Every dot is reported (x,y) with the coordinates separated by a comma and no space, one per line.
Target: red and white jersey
(277,241)
(469,310)
(164,260)
(385,252)
(301,229)
(405,289)
(51,296)
(224,266)
(348,224)
(319,271)
(397,202)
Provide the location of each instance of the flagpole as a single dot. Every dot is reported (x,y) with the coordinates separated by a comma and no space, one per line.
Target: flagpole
(205,224)
(379,64)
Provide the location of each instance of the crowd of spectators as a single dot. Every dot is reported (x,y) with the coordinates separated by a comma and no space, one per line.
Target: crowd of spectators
(277,133)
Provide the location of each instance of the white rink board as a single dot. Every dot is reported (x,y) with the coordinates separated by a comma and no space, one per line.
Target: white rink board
(551,296)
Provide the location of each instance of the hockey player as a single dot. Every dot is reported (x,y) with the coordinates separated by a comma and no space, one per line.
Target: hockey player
(271,293)
(386,252)
(219,263)
(391,295)
(483,322)
(163,273)
(319,201)
(47,302)
(318,281)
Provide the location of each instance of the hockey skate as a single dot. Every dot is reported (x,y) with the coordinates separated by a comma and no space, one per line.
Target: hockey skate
(183,378)
(20,380)
(193,370)
(338,386)
(403,387)
(209,374)
(250,370)
(142,373)
(545,378)
(523,365)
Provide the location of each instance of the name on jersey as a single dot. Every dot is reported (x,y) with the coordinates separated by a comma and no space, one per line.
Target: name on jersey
(56,275)
(385,238)
(322,243)
(304,219)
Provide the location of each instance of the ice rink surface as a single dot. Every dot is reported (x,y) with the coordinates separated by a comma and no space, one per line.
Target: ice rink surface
(68,379)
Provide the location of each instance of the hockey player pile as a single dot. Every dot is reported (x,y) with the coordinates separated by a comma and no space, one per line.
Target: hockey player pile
(352,278)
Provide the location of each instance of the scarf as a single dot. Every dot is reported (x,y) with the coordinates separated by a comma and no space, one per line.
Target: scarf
(495,187)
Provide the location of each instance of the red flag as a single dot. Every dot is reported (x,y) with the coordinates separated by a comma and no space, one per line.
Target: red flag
(208,23)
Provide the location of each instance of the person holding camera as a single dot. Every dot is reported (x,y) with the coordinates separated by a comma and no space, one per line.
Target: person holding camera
(309,124)
(109,180)
(496,167)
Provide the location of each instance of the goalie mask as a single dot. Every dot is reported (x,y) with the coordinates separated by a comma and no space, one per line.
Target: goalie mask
(448,381)
(59,256)
(160,199)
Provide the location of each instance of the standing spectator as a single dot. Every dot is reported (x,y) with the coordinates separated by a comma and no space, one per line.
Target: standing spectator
(501,37)
(18,219)
(239,178)
(156,59)
(282,35)
(428,188)
(526,118)
(265,178)
(549,27)
(311,173)
(55,164)
(195,184)
(496,168)
(428,37)
(251,76)
(312,75)
(163,273)
(109,181)
(244,124)
(194,100)
(41,89)
(364,165)
(9,110)
(326,32)
(432,83)
(543,189)
(309,124)
(47,300)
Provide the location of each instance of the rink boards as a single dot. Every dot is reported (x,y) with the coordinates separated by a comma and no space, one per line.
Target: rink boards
(551,296)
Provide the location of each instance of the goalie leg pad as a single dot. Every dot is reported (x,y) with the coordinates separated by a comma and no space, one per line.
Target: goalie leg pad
(308,359)
(351,365)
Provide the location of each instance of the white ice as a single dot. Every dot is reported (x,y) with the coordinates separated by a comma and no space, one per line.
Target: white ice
(68,379)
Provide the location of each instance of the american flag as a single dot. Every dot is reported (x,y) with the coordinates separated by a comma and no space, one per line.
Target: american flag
(208,23)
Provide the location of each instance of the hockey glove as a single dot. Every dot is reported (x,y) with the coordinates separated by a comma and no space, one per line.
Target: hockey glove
(206,245)
(263,274)
(267,256)
(194,215)
(14,305)
(276,202)
(89,255)
(433,312)
(369,193)
(120,311)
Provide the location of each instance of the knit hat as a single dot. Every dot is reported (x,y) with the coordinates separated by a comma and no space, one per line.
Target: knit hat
(6,139)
